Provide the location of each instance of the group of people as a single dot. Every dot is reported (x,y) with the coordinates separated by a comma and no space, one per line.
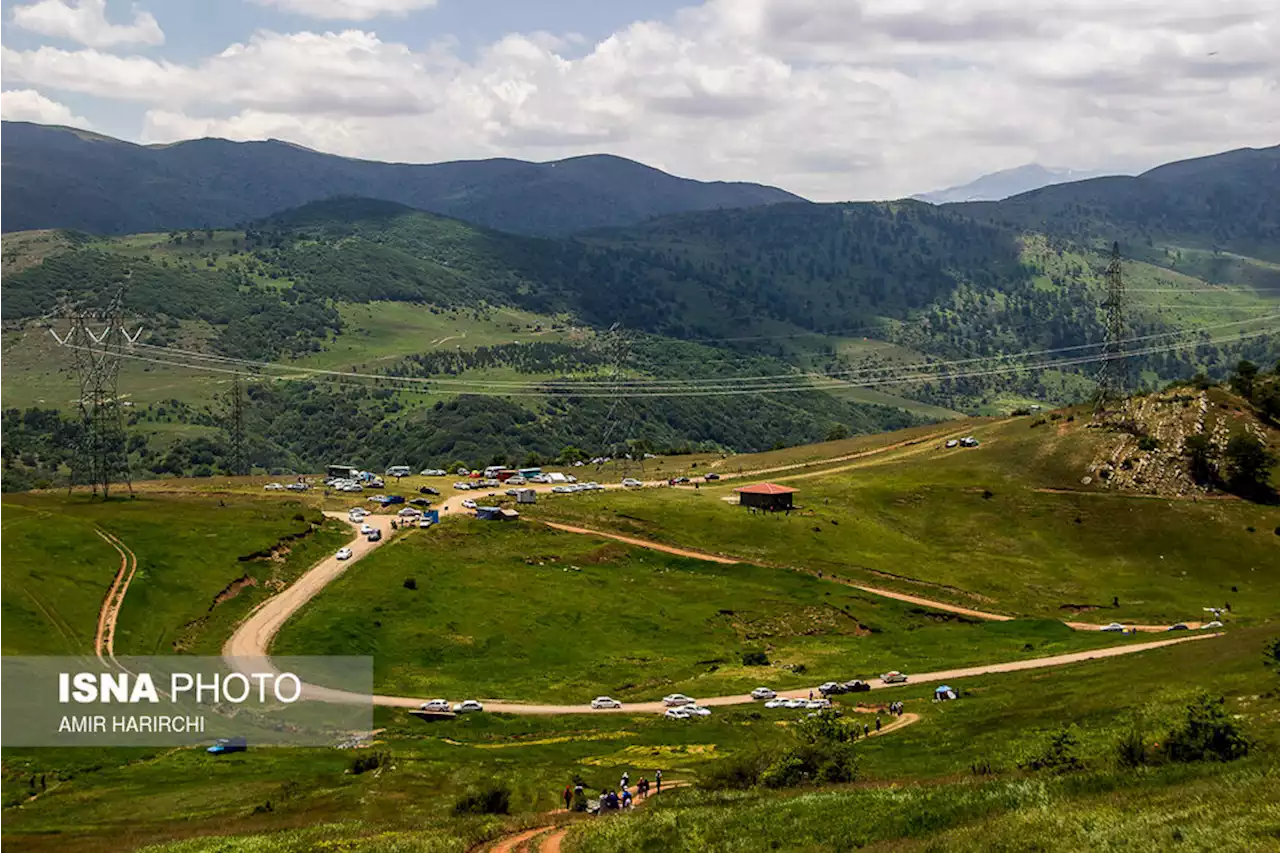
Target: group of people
(895,709)
(611,800)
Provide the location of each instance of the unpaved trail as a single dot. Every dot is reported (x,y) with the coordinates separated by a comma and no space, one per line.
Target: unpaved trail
(104,641)
(644,543)
(549,838)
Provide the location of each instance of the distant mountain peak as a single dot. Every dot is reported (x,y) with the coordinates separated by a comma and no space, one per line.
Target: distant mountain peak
(998,186)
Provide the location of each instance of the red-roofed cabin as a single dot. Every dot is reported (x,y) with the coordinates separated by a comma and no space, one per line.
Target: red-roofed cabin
(767,496)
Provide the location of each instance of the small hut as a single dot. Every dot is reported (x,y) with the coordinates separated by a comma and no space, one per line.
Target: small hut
(766,496)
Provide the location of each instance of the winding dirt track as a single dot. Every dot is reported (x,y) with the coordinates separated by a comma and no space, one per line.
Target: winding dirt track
(104,641)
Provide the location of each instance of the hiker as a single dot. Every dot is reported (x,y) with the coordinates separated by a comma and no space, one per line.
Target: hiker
(626,798)
(877,722)
(642,787)
(568,797)
(810,695)
(626,778)
(657,778)
(866,730)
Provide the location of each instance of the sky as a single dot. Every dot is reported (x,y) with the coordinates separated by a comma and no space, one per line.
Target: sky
(831,99)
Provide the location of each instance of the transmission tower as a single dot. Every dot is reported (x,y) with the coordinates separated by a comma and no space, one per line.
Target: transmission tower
(239,456)
(1113,375)
(97,340)
(620,418)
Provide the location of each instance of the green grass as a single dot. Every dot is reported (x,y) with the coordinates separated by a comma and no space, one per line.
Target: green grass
(58,570)
(525,613)
(920,519)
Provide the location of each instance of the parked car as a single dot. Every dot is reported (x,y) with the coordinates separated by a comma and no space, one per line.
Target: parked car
(1114,627)
(776,703)
(375,535)
(424,523)
(796,703)
(969,441)
(1178,627)
(1214,624)
(952,443)
(343,554)
(273,487)
(467,707)
(563,490)
(469,503)
(436,705)
(462,486)
(632,483)
(395,499)
(712,477)
(603,702)
(831,688)
(297,487)
(856,686)
(893,677)
(515,481)
(763,693)
(675,700)
(696,710)
(427,490)
(511,493)
(677,714)
(818,704)
(226,745)
(683,481)
(420,502)
(366,529)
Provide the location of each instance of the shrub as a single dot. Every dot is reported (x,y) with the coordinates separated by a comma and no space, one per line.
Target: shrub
(1207,734)
(369,761)
(755,658)
(736,773)
(1148,443)
(1058,755)
(1131,751)
(410,583)
(492,799)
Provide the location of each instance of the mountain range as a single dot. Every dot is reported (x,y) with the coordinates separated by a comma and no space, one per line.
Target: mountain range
(60,177)
(1008,182)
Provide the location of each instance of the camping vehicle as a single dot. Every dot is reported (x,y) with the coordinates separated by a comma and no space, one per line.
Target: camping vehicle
(604,702)
(763,693)
(438,706)
(227,745)
(893,677)
(677,714)
(856,686)
(343,554)
(675,700)
(467,707)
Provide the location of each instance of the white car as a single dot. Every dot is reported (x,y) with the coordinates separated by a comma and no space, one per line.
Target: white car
(677,714)
(469,503)
(796,703)
(603,702)
(366,529)
(776,703)
(893,677)
(467,707)
(953,443)
(343,554)
(515,481)
(632,483)
(273,487)
(818,704)
(424,523)
(563,490)
(696,710)
(432,472)
(1114,627)
(762,693)
(1214,624)
(437,705)
(675,700)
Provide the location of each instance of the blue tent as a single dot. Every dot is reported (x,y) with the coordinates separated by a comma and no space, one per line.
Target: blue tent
(943,693)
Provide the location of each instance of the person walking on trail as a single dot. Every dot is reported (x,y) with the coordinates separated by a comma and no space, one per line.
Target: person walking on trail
(877,723)
(626,798)
(642,787)
(810,695)
(866,730)
(626,778)
(657,779)
(568,797)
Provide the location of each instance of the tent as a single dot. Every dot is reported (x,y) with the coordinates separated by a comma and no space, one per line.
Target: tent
(943,693)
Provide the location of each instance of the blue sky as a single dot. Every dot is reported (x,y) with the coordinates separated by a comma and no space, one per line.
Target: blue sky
(834,99)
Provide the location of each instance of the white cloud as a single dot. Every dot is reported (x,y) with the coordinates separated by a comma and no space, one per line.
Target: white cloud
(85,21)
(30,105)
(830,98)
(349,10)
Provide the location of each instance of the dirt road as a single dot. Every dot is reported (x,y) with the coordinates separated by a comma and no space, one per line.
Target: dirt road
(104,641)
